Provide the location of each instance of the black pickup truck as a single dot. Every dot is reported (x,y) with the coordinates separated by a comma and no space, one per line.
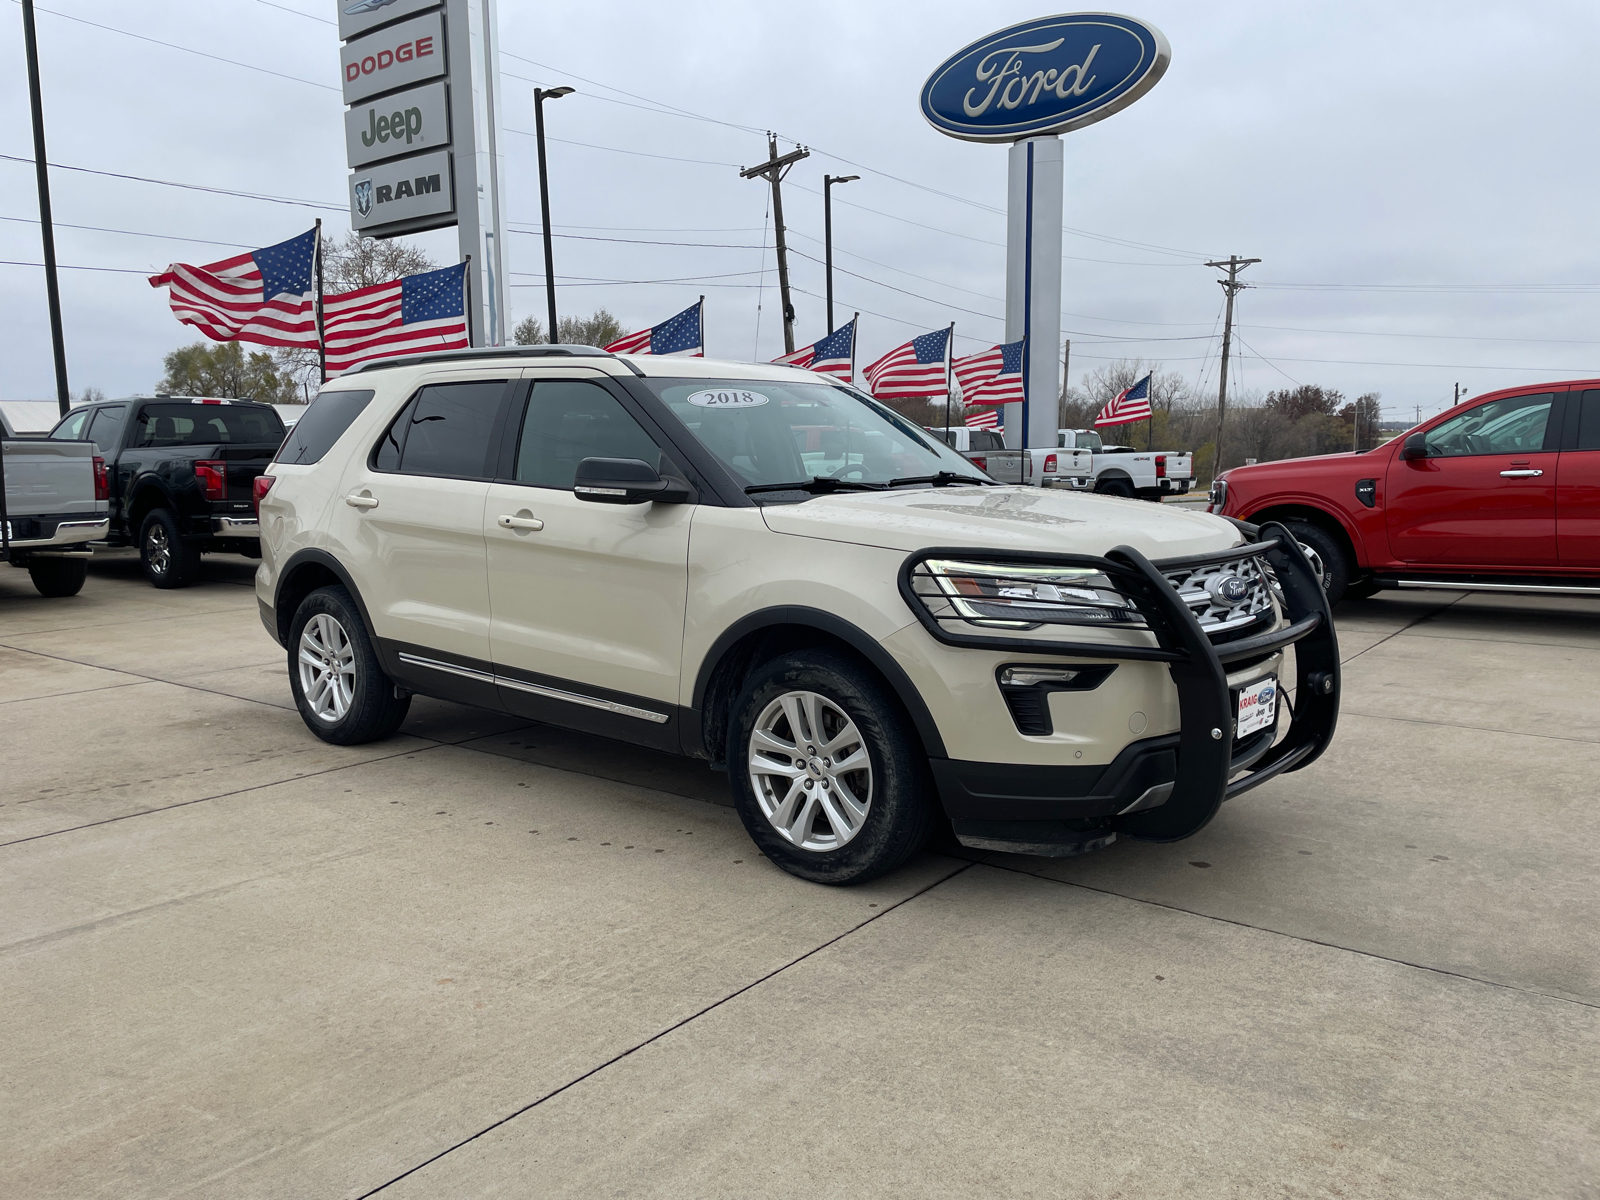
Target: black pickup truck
(181,472)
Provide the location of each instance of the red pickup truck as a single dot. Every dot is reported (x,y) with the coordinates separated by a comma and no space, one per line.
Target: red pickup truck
(1499,494)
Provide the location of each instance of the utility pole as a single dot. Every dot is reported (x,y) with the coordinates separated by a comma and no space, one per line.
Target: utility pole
(1232,287)
(47,231)
(1066,377)
(1460,392)
(827,231)
(540,95)
(773,170)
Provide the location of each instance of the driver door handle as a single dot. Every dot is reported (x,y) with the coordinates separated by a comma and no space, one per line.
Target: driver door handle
(361,501)
(1526,473)
(510,522)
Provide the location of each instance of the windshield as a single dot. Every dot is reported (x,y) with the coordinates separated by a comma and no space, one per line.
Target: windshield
(768,433)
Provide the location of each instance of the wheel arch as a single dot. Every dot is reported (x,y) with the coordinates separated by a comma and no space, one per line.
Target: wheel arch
(761,636)
(148,494)
(305,572)
(1328,522)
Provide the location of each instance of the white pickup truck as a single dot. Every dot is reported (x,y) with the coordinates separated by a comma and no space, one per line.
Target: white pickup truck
(1042,467)
(1127,471)
(54,503)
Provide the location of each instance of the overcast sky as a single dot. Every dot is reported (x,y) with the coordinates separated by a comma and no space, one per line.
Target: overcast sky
(1418,179)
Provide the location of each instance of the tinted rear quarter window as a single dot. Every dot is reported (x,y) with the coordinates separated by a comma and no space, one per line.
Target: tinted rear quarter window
(321,425)
(207,425)
(446,430)
(1589,422)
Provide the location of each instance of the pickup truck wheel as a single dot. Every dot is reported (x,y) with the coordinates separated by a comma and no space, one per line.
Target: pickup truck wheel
(169,561)
(1336,567)
(340,689)
(827,774)
(58,576)
(1115,487)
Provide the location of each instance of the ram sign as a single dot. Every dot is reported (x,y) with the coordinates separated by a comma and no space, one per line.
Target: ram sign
(414,190)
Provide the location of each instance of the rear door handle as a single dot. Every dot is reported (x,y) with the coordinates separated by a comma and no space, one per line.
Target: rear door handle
(363,501)
(510,522)
(1525,474)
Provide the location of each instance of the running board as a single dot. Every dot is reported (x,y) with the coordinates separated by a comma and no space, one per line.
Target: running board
(1470,584)
(521,685)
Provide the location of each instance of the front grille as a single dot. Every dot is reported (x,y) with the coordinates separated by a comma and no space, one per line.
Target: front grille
(1203,589)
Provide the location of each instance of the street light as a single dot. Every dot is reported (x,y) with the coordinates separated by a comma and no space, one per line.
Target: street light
(827,231)
(540,95)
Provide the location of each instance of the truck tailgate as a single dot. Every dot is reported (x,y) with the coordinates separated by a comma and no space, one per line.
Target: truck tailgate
(244,463)
(1180,466)
(49,477)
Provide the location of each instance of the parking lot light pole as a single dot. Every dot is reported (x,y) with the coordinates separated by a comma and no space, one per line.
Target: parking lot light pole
(540,95)
(827,232)
(41,170)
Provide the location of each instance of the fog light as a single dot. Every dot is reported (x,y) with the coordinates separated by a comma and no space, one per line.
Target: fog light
(1029,676)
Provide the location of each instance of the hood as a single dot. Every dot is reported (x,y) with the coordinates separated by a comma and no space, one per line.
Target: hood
(1003,518)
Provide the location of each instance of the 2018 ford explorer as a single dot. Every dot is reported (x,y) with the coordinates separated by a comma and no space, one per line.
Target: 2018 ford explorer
(763,568)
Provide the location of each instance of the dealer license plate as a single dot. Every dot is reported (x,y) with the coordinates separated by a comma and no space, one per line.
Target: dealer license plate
(1258,706)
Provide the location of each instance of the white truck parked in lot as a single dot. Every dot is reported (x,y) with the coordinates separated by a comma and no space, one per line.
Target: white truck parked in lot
(1042,467)
(53,502)
(1127,471)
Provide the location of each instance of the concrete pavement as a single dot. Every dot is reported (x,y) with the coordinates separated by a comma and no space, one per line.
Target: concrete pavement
(494,958)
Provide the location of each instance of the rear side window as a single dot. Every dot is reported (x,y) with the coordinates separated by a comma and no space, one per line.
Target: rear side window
(106,432)
(71,430)
(447,429)
(568,421)
(207,425)
(1589,422)
(321,425)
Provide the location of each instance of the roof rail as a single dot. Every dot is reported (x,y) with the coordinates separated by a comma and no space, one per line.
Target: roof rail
(490,352)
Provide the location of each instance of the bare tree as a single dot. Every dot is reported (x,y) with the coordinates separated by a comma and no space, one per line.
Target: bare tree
(598,329)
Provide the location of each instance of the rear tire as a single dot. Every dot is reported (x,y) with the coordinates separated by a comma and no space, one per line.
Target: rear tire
(58,576)
(342,693)
(1336,565)
(800,719)
(169,561)
(1115,487)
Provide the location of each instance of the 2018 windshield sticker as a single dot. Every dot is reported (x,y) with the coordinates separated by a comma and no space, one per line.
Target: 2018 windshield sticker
(728,398)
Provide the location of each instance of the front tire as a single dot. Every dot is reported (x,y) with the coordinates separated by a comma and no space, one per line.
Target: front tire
(1336,566)
(342,693)
(58,576)
(169,561)
(828,776)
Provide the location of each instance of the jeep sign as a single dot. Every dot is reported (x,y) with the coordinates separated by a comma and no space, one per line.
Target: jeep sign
(404,123)
(415,189)
(394,57)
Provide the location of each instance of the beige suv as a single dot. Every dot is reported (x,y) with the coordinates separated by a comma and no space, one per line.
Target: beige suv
(762,568)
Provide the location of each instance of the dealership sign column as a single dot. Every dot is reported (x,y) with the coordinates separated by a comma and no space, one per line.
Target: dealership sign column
(422,81)
(1025,85)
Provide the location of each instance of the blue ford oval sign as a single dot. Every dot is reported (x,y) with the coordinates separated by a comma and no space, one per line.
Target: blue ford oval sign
(1045,76)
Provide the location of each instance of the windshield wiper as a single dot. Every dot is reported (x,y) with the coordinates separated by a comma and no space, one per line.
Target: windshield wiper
(942,479)
(818,485)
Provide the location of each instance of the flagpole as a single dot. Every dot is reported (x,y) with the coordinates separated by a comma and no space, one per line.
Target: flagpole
(855,331)
(466,295)
(949,353)
(322,340)
(702,315)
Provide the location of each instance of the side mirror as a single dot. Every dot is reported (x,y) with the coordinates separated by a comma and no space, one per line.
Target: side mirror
(625,481)
(1416,446)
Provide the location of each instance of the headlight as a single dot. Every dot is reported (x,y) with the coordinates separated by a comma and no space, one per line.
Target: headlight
(1020,596)
(1219,495)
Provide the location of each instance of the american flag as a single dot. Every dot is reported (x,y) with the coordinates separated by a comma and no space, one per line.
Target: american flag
(265,297)
(1129,405)
(992,377)
(921,367)
(834,355)
(984,418)
(682,334)
(406,316)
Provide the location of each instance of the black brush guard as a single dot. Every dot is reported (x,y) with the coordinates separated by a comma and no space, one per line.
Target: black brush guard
(1205,746)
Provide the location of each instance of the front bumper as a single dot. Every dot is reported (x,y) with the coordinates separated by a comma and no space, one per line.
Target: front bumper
(1165,788)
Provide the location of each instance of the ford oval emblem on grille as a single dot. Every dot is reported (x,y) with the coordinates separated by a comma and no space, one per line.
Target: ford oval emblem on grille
(1230,590)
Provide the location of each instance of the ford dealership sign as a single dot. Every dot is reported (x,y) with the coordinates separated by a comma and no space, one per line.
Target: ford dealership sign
(1045,76)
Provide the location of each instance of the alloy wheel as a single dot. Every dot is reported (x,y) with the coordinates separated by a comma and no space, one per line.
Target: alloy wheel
(157,549)
(327,664)
(810,771)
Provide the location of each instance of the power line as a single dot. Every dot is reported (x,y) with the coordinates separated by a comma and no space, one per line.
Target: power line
(129,233)
(192,187)
(232,62)
(70,267)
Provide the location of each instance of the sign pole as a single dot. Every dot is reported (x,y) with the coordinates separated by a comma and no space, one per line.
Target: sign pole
(41,169)
(473,43)
(1033,284)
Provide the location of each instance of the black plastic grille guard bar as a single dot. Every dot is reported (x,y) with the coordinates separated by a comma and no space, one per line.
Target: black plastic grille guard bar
(1205,745)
